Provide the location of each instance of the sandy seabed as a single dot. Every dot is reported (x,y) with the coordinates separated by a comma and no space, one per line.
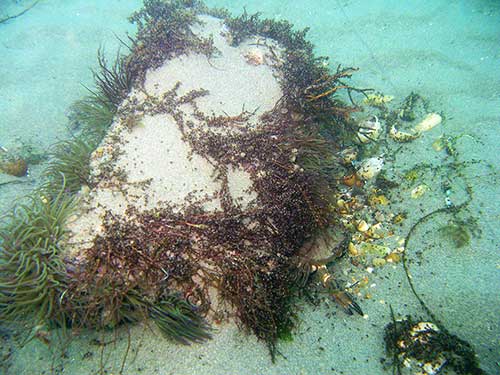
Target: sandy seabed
(447,52)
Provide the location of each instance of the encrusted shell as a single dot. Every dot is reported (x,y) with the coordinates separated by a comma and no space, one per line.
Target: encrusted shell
(369,168)
(434,367)
(378,99)
(420,334)
(423,327)
(254,56)
(401,136)
(348,155)
(369,129)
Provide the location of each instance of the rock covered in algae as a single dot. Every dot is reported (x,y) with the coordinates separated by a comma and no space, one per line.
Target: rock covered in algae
(211,181)
(196,157)
(159,163)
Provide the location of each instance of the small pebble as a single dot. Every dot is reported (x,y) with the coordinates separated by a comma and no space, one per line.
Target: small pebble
(353,250)
(362,226)
(379,262)
(393,258)
(379,216)
(418,191)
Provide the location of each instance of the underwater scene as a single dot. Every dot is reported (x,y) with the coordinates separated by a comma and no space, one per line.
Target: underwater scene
(275,187)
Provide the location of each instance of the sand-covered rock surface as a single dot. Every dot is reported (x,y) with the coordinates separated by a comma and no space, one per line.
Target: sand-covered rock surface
(150,162)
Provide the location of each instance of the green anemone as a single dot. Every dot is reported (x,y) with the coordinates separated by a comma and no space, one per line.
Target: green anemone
(70,162)
(92,115)
(32,272)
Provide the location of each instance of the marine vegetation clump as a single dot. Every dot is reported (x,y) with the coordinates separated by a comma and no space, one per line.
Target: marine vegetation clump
(249,255)
(138,261)
(425,346)
(113,82)
(163,32)
(122,279)
(460,231)
(308,84)
(32,272)
(90,118)
(93,114)
(179,320)
(70,162)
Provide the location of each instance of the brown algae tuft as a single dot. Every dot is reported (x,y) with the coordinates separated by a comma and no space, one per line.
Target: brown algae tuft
(456,232)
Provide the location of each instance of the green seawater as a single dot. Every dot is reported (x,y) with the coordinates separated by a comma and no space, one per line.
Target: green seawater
(447,51)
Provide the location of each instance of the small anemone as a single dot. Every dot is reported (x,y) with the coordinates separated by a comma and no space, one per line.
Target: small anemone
(92,115)
(115,81)
(70,162)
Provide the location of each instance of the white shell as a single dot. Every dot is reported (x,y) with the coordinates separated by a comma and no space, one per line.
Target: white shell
(362,226)
(429,121)
(401,136)
(370,168)
(418,191)
(369,129)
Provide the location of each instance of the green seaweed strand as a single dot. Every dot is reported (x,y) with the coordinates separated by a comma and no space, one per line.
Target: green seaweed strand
(422,220)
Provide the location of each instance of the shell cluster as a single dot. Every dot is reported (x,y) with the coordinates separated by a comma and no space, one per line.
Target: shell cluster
(402,136)
(421,334)
(430,121)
